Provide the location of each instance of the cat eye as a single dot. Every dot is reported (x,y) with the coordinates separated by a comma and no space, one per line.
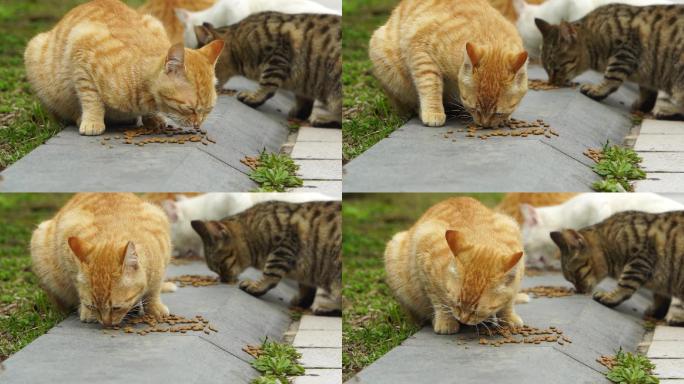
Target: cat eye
(117,308)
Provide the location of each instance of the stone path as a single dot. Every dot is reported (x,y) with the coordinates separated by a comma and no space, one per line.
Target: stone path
(73,352)
(593,328)
(318,152)
(319,340)
(420,159)
(661,145)
(667,353)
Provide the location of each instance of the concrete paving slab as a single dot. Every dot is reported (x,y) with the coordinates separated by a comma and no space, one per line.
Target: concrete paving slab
(415,158)
(669,368)
(669,162)
(327,187)
(315,323)
(661,127)
(671,349)
(321,357)
(318,339)
(75,352)
(320,169)
(663,332)
(317,150)
(319,134)
(660,182)
(659,143)
(675,381)
(320,376)
(594,330)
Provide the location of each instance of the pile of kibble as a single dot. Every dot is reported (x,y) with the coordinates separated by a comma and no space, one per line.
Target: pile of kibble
(526,335)
(170,323)
(549,291)
(169,135)
(607,361)
(595,154)
(514,127)
(543,85)
(194,280)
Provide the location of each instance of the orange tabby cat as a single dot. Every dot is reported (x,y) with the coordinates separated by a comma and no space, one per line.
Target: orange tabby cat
(510,204)
(103,59)
(106,253)
(165,11)
(460,263)
(436,52)
(507,8)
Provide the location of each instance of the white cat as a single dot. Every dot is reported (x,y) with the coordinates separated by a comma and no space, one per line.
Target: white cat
(555,11)
(215,206)
(578,212)
(227,12)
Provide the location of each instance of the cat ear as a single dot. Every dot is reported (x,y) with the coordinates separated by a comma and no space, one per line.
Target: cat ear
(518,61)
(472,55)
(568,239)
(455,241)
(171,210)
(512,261)
(208,230)
(182,14)
(543,26)
(568,32)
(212,50)
(175,60)
(530,215)
(80,248)
(130,257)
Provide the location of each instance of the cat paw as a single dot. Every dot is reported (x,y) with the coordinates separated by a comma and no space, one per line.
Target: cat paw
(86,315)
(251,99)
(594,92)
(157,310)
(433,119)
(91,128)
(675,314)
(252,287)
(446,326)
(321,122)
(514,320)
(606,298)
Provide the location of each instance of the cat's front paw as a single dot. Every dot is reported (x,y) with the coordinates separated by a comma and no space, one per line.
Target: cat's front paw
(325,121)
(252,287)
(91,128)
(433,119)
(251,99)
(158,310)
(445,325)
(514,320)
(86,315)
(592,91)
(606,298)
(675,315)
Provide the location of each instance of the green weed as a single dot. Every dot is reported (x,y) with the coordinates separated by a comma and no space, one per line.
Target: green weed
(632,369)
(618,167)
(277,362)
(275,173)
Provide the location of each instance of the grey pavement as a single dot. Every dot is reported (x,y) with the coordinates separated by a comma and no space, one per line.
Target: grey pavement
(416,158)
(319,340)
(661,145)
(594,330)
(318,152)
(667,353)
(74,352)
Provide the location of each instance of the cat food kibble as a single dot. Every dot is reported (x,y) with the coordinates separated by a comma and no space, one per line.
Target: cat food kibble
(595,154)
(511,128)
(549,291)
(543,85)
(194,280)
(525,335)
(607,361)
(174,324)
(161,135)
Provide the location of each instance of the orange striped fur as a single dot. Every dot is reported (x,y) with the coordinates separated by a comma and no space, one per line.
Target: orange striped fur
(103,59)
(164,10)
(104,253)
(419,57)
(460,263)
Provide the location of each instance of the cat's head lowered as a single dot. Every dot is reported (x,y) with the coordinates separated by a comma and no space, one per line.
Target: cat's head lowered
(578,260)
(479,281)
(110,280)
(185,86)
(562,51)
(491,83)
(223,248)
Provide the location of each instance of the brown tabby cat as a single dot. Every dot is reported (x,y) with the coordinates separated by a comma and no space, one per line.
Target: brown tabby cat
(298,240)
(104,60)
(436,52)
(511,203)
(299,53)
(637,248)
(164,10)
(105,253)
(460,262)
(641,44)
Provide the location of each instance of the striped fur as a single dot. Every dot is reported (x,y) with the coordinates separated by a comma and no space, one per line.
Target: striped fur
(638,249)
(104,60)
(641,44)
(301,241)
(104,253)
(433,53)
(460,263)
(300,53)
(165,11)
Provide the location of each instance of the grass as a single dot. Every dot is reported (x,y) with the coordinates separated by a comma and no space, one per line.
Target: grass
(619,166)
(25,311)
(24,123)
(632,369)
(373,322)
(277,362)
(275,173)
(367,116)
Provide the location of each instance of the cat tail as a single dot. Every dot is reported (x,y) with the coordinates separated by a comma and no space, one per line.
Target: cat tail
(522,298)
(168,286)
